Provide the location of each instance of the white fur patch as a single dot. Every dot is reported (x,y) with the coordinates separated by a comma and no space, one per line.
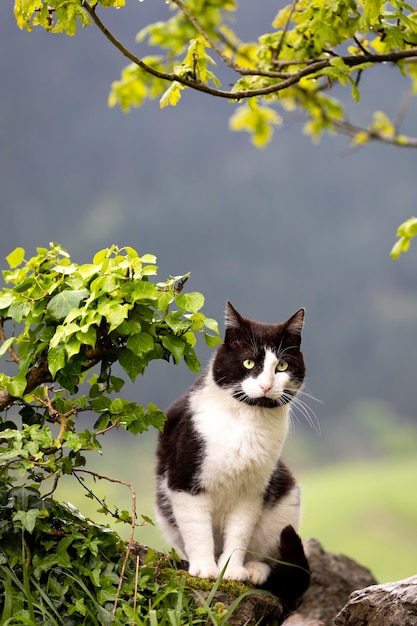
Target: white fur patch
(242,442)
(268,383)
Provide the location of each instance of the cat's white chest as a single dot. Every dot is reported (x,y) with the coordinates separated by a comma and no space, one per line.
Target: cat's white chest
(241,443)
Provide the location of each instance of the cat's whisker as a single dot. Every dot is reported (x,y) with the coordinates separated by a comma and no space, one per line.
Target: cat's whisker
(306,411)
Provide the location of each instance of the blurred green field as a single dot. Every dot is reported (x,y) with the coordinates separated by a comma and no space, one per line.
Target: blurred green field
(366,510)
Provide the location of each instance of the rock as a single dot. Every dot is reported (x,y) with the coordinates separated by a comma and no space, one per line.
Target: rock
(390,604)
(333,578)
(300,620)
(252,609)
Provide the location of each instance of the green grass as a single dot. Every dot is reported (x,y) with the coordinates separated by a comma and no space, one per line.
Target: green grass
(366,510)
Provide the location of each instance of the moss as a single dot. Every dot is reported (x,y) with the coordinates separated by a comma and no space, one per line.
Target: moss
(232,587)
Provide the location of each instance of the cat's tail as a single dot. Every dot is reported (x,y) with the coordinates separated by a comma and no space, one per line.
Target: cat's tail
(290,577)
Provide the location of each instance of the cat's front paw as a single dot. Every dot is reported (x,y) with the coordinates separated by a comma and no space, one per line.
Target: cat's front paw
(204,570)
(235,572)
(258,572)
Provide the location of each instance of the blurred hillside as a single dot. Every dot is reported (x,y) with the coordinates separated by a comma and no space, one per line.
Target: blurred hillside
(293,225)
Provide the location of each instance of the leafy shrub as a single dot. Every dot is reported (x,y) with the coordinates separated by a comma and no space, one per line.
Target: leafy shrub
(64,326)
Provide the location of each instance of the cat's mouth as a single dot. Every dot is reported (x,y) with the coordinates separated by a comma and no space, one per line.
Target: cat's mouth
(264,401)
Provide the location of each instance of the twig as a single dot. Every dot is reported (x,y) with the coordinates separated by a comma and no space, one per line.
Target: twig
(403,109)
(54,486)
(55,416)
(106,430)
(210,41)
(278,49)
(352,130)
(132,526)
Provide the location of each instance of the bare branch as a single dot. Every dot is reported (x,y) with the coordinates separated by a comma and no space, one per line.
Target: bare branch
(400,141)
(278,49)
(132,526)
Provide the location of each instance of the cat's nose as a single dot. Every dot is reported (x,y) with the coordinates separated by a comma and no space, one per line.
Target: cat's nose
(265,387)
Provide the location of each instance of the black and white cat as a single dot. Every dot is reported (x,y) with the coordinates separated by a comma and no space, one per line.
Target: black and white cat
(223,494)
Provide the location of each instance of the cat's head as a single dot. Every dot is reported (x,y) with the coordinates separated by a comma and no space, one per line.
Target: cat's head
(261,364)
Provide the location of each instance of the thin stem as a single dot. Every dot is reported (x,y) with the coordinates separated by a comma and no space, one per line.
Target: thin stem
(278,49)
(132,526)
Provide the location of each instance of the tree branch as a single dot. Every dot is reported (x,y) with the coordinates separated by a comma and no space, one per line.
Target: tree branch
(36,376)
(292,79)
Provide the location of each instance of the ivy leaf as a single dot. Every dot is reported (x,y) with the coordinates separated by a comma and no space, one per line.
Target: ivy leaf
(16,386)
(192,361)
(175,345)
(211,340)
(5,300)
(23,495)
(60,305)
(16,257)
(156,417)
(193,301)
(28,518)
(56,359)
(132,365)
(6,345)
(140,343)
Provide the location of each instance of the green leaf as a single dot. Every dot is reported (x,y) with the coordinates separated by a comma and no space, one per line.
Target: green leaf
(175,345)
(28,518)
(114,313)
(259,121)
(87,337)
(5,300)
(19,310)
(132,365)
(140,343)
(117,406)
(15,258)
(192,301)
(172,95)
(6,345)
(16,386)
(156,417)
(56,359)
(117,383)
(211,340)
(60,305)
(192,361)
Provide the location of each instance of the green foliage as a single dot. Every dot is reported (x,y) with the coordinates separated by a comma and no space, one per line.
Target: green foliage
(64,321)
(312,47)
(406,231)
(65,326)
(57,567)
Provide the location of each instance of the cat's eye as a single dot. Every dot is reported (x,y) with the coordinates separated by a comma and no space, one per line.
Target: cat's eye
(282,366)
(248,364)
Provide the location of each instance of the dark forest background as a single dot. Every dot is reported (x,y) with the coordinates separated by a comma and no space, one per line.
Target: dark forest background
(271,230)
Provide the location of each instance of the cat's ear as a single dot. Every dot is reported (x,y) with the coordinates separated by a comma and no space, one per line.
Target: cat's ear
(233,318)
(295,324)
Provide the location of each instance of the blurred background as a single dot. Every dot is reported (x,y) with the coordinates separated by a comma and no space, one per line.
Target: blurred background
(292,225)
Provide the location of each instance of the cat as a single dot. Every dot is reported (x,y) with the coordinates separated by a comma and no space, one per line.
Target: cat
(225,499)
